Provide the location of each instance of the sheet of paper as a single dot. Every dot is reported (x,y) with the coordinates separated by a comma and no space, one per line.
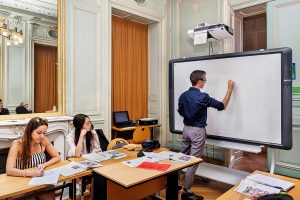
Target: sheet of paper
(200,37)
(154,166)
(50,177)
(138,161)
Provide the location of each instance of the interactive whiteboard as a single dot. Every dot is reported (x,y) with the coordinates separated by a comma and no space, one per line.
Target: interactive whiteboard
(260,108)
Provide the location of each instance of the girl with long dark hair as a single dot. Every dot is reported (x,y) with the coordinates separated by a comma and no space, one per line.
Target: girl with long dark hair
(84,139)
(29,152)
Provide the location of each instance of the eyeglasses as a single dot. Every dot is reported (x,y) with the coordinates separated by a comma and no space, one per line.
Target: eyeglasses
(203,79)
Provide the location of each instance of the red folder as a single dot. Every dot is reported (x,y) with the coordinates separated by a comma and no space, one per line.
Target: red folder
(154,166)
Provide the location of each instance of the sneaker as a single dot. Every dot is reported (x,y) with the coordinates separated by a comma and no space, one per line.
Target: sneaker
(190,196)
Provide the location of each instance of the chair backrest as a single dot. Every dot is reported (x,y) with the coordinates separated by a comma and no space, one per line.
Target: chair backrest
(102,139)
(21,110)
(117,142)
(140,134)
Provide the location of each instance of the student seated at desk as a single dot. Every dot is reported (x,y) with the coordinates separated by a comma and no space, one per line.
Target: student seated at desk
(3,111)
(84,139)
(23,108)
(29,152)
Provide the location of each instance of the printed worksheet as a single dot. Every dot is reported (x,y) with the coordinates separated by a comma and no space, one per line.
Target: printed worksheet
(50,177)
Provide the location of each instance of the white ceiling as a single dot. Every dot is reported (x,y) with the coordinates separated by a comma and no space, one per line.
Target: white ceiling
(44,7)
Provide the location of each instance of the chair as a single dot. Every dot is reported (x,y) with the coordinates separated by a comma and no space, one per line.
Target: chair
(22,110)
(117,142)
(140,134)
(102,139)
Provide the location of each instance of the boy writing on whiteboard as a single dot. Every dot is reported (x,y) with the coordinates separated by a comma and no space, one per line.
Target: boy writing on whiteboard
(192,106)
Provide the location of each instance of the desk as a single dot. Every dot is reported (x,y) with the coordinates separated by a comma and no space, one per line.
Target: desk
(115,130)
(117,181)
(294,192)
(11,186)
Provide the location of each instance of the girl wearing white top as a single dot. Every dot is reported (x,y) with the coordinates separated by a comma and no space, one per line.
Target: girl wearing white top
(84,139)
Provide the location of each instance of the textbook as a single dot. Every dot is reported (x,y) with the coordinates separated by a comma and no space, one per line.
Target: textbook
(260,184)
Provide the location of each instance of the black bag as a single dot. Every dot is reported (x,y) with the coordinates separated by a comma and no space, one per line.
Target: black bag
(102,139)
(276,197)
(150,144)
(119,144)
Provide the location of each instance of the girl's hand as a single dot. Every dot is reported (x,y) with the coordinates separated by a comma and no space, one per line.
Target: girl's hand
(37,172)
(83,132)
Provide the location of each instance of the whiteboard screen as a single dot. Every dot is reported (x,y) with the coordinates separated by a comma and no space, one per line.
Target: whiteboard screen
(259,110)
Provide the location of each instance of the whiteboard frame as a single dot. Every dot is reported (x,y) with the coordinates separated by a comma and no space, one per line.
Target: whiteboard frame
(286,95)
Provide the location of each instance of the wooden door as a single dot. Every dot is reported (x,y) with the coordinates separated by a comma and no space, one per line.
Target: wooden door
(254,29)
(45,78)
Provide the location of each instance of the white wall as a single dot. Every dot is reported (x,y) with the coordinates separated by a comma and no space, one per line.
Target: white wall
(184,15)
(191,13)
(281,15)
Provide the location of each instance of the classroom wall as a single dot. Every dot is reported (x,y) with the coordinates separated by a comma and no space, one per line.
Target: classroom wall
(88,52)
(184,15)
(283,31)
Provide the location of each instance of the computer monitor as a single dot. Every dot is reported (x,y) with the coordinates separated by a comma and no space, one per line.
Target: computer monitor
(121,118)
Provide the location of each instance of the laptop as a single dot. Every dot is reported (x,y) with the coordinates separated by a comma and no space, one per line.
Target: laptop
(121,119)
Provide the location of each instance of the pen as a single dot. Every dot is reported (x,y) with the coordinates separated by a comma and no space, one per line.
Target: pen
(277,187)
(38,167)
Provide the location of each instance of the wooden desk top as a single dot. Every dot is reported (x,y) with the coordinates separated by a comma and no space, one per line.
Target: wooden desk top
(294,192)
(130,176)
(11,186)
(133,127)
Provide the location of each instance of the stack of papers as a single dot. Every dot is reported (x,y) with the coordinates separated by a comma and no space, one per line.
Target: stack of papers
(169,155)
(87,164)
(270,181)
(253,188)
(71,169)
(102,156)
(260,184)
(77,167)
(140,160)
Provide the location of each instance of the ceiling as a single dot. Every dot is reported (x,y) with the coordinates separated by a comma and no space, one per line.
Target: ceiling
(132,17)
(253,10)
(44,7)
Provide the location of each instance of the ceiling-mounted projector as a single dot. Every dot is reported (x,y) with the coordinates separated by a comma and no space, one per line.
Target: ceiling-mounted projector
(211,32)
